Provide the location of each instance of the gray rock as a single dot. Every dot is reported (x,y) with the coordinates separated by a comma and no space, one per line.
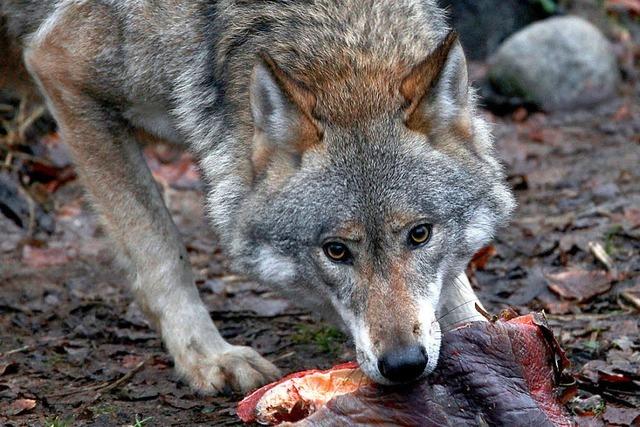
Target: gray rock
(557,64)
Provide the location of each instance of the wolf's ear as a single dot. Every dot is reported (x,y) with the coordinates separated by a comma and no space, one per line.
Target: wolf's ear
(436,90)
(283,118)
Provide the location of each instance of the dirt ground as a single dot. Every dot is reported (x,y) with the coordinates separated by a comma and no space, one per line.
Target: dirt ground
(75,349)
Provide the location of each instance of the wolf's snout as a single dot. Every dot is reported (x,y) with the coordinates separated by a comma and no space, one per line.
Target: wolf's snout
(403,364)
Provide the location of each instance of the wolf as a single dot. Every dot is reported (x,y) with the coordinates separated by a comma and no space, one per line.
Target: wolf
(345,162)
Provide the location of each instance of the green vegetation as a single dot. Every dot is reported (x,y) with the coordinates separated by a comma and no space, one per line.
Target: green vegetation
(609,239)
(327,338)
(59,422)
(104,409)
(592,345)
(549,6)
(600,408)
(53,359)
(141,422)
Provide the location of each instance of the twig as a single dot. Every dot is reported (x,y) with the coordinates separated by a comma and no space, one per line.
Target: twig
(8,160)
(590,317)
(491,318)
(32,209)
(106,388)
(101,388)
(631,299)
(85,389)
(233,278)
(226,315)
(33,346)
(27,120)
(284,356)
(16,350)
(6,108)
(601,255)
(26,156)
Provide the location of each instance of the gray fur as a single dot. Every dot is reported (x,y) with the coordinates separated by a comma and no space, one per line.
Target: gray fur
(183,71)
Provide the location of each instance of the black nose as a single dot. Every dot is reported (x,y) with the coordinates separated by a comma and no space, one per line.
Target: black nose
(403,364)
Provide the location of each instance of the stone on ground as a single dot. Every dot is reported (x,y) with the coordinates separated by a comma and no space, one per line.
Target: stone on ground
(560,63)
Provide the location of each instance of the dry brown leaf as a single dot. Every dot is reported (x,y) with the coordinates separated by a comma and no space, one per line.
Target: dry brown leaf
(622,416)
(632,296)
(8,368)
(44,257)
(131,360)
(631,6)
(21,405)
(578,284)
(632,215)
(482,257)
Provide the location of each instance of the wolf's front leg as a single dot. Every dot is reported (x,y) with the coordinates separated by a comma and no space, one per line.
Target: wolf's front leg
(458,303)
(124,193)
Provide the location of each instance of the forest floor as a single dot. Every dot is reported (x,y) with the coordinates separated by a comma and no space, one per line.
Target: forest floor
(76,350)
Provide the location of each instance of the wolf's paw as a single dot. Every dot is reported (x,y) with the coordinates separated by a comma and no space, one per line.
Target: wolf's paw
(237,368)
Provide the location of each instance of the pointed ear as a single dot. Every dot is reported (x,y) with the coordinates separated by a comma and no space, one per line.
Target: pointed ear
(282,109)
(436,90)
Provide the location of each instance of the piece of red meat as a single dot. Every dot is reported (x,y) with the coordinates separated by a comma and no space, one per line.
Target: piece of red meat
(502,373)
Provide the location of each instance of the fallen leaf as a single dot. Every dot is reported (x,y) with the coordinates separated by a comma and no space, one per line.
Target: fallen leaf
(21,405)
(543,135)
(8,368)
(605,190)
(632,296)
(605,374)
(520,115)
(623,113)
(622,416)
(578,284)
(623,343)
(561,307)
(134,335)
(179,403)
(138,392)
(482,257)
(180,174)
(57,151)
(264,306)
(588,421)
(631,6)
(44,257)
(131,361)
(587,406)
(632,215)
(77,355)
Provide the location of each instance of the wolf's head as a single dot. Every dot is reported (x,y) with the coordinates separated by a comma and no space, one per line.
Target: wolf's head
(367,220)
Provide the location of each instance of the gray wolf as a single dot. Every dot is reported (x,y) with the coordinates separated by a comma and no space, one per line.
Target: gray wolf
(345,162)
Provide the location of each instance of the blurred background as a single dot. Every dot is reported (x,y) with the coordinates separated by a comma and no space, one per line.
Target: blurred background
(561,81)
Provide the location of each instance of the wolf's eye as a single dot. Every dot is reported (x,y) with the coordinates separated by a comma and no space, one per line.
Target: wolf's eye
(337,252)
(419,235)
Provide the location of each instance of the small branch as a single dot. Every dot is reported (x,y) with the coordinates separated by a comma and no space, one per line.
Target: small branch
(600,254)
(631,298)
(282,357)
(17,350)
(106,388)
(33,346)
(587,316)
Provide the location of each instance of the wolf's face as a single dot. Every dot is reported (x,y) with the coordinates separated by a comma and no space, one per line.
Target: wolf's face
(367,223)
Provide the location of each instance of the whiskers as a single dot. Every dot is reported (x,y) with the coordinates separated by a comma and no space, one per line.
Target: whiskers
(461,286)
